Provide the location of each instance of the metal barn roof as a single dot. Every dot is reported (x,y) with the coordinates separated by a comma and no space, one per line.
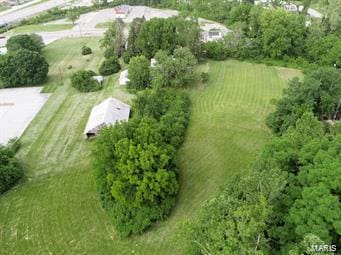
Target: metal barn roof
(106,113)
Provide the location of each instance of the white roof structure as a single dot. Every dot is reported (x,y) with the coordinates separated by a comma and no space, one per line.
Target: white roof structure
(124,78)
(105,114)
(3,50)
(212,31)
(153,62)
(98,78)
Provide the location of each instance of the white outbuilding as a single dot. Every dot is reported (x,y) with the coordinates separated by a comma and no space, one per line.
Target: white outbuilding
(124,78)
(105,114)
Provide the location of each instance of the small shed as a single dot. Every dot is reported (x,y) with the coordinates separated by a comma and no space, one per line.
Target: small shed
(98,78)
(124,78)
(153,62)
(105,114)
(3,50)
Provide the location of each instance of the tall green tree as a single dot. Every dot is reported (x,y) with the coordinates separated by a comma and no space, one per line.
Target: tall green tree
(139,72)
(282,33)
(23,68)
(114,39)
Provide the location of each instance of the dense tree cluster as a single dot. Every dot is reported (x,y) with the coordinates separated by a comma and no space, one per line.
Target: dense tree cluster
(84,82)
(288,199)
(134,161)
(175,70)
(109,66)
(148,37)
(30,42)
(320,92)
(23,65)
(23,68)
(139,73)
(268,34)
(11,170)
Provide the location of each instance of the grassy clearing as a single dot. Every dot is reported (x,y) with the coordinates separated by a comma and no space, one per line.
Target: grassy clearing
(40,28)
(57,212)
(3,8)
(103,24)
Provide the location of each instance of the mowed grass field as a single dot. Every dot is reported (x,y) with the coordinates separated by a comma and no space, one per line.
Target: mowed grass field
(56,211)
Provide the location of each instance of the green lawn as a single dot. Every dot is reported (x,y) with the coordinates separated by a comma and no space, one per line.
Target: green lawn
(56,211)
(40,28)
(3,8)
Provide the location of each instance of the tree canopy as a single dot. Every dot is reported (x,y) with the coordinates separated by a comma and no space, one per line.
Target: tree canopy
(23,68)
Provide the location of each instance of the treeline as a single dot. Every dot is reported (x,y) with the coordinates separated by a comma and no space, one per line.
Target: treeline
(148,37)
(134,161)
(288,200)
(270,35)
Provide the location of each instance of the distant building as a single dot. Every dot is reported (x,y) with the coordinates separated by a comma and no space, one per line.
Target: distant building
(107,113)
(3,50)
(153,62)
(121,11)
(98,78)
(123,80)
(211,32)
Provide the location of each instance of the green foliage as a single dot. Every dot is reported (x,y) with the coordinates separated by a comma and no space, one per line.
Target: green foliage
(324,49)
(157,34)
(114,40)
(134,163)
(23,68)
(204,77)
(139,73)
(282,33)
(10,169)
(320,91)
(109,66)
(132,49)
(173,71)
(216,50)
(86,50)
(167,34)
(30,42)
(84,82)
(73,15)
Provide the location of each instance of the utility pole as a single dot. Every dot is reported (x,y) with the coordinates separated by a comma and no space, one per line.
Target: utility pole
(60,75)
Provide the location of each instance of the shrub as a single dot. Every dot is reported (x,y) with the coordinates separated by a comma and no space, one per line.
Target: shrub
(10,169)
(31,42)
(23,67)
(109,52)
(204,77)
(86,50)
(109,66)
(216,50)
(84,82)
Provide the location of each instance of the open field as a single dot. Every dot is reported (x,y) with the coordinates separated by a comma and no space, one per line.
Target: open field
(57,211)
(40,28)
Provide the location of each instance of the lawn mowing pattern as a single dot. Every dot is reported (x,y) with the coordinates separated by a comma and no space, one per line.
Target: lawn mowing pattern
(57,210)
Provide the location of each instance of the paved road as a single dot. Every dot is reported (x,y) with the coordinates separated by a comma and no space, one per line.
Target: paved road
(29,11)
(86,25)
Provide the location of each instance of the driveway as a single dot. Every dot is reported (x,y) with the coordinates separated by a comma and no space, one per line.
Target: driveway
(18,107)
